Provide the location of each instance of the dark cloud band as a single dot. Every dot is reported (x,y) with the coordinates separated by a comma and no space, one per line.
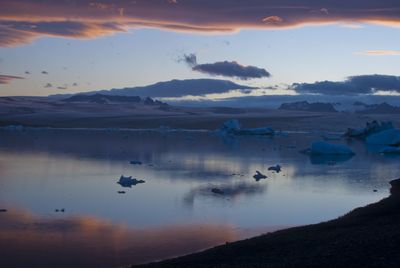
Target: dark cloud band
(354,85)
(226,68)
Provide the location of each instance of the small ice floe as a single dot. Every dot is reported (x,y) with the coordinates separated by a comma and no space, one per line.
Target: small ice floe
(60,210)
(390,150)
(370,128)
(324,148)
(276,168)
(128,181)
(259,176)
(135,162)
(389,137)
(217,191)
(232,127)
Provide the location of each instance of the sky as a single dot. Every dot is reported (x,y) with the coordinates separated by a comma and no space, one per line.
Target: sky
(50,47)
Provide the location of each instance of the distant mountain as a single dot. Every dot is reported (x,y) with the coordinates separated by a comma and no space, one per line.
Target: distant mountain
(309,107)
(383,108)
(102,99)
(176,88)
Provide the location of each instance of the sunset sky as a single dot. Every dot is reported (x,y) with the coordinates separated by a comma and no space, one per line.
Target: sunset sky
(49,47)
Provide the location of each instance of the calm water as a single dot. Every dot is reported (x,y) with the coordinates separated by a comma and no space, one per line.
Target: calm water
(174,212)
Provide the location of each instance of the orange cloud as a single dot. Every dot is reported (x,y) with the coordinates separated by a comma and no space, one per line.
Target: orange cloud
(21,21)
(5,79)
(380,53)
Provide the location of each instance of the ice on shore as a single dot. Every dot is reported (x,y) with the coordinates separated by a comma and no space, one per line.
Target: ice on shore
(370,129)
(233,127)
(128,181)
(324,148)
(387,137)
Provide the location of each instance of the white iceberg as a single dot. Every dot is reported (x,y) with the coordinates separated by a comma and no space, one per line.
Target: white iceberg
(128,181)
(387,137)
(324,148)
(232,127)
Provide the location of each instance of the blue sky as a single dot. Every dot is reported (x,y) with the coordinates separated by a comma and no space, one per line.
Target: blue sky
(145,56)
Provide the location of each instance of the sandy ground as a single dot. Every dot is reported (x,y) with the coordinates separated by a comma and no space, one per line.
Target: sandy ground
(44,112)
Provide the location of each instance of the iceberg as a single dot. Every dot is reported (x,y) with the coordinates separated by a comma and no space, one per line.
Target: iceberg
(370,128)
(128,181)
(324,148)
(390,150)
(387,137)
(276,168)
(259,176)
(232,127)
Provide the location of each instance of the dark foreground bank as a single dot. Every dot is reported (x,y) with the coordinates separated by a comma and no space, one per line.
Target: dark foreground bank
(366,237)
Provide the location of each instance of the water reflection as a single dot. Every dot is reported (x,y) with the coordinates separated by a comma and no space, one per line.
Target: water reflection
(329,159)
(226,191)
(44,170)
(38,241)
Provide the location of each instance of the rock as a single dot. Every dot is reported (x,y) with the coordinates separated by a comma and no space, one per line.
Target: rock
(3,210)
(276,168)
(395,189)
(135,162)
(121,192)
(259,176)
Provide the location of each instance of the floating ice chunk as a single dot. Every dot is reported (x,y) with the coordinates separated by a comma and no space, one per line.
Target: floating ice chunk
(256,131)
(324,148)
(370,128)
(387,137)
(230,127)
(276,168)
(128,181)
(217,191)
(259,176)
(390,150)
(135,162)
(233,127)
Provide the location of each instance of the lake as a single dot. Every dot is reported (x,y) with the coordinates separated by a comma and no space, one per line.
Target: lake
(60,190)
